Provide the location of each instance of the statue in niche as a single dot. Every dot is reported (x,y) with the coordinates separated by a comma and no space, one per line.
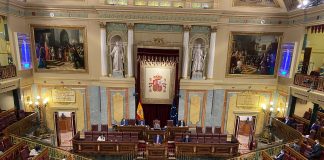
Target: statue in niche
(117,55)
(198,58)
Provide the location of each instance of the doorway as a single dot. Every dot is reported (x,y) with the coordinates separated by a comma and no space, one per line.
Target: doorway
(245,131)
(65,128)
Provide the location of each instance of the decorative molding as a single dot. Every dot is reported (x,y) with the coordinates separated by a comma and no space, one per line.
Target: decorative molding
(158,27)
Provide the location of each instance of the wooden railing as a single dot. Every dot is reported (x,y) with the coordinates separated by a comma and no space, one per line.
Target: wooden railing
(7,72)
(43,155)
(292,153)
(309,81)
(283,131)
(266,156)
(21,127)
(54,153)
(12,152)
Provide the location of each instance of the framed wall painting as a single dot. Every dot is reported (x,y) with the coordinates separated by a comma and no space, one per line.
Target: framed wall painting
(60,49)
(256,3)
(253,55)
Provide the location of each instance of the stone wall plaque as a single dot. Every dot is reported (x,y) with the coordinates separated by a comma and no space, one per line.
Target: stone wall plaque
(247,100)
(63,95)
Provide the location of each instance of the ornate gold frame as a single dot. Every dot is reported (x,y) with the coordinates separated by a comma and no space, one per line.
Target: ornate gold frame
(171,85)
(229,53)
(85,47)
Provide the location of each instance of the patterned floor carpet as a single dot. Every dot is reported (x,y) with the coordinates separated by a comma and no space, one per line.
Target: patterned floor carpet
(66,142)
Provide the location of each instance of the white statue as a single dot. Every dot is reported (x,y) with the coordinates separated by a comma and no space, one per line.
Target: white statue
(117,55)
(198,58)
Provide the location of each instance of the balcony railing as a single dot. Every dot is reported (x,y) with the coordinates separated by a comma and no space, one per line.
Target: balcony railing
(7,72)
(308,81)
(198,4)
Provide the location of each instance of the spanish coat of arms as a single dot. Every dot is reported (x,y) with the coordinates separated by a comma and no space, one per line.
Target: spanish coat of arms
(157,84)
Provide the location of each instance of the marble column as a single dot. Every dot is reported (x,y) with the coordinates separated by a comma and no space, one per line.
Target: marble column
(130,42)
(103,43)
(185,51)
(211,57)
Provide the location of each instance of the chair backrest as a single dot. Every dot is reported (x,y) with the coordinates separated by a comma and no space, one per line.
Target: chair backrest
(119,136)
(178,137)
(300,128)
(132,122)
(198,129)
(222,138)
(96,134)
(170,123)
(88,136)
(94,127)
(193,137)
(6,143)
(209,138)
(134,136)
(209,130)
(24,154)
(104,127)
(126,136)
(156,122)
(111,137)
(200,138)
(217,130)
(216,138)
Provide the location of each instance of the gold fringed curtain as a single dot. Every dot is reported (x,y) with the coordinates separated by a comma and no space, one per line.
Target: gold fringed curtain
(316,28)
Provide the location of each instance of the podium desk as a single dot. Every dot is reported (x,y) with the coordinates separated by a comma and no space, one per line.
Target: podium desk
(157,151)
(139,129)
(150,133)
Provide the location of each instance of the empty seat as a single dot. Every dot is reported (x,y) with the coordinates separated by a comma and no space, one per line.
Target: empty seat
(198,129)
(215,138)
(6,143)
(193,137)
(88,136)
(222,138)
(94,127)
(111,137)
(209,138)
(134,136)
(170,123)
(200,138)
(217,130)
(104,127)
(209,130)
(24,154)
(132,122)
(178,137)
(126,137)
(119,136)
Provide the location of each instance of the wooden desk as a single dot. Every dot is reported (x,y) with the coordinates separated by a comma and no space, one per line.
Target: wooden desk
(207,149)
(151,133)
(155,151)
(104,148)
(140,129)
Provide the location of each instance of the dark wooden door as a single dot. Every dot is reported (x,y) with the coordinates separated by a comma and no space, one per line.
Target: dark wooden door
(57,128)
(73,124)
(307,55)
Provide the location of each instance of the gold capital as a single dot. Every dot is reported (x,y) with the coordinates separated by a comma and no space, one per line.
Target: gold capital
(186,27)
